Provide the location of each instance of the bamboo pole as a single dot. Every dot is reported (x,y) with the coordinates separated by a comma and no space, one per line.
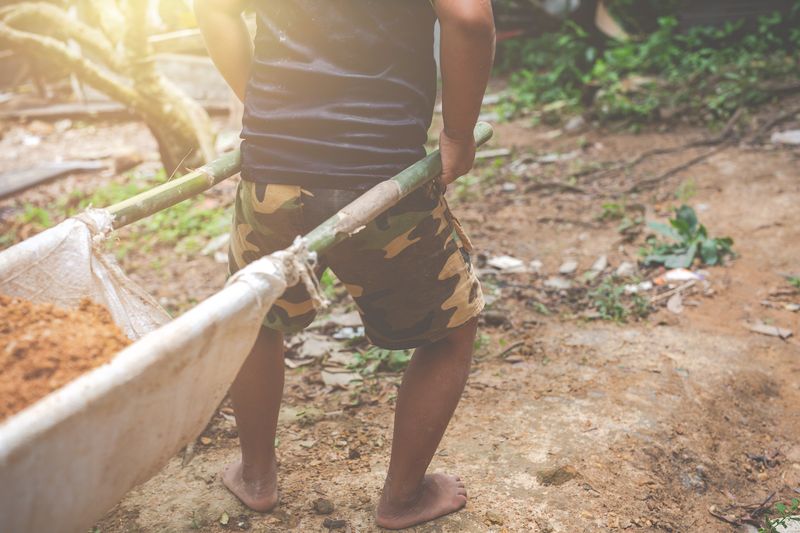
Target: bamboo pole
(335,229)
(381,197)
(175,191)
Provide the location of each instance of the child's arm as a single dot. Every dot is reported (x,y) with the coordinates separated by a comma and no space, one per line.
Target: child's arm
(467,52)
(227,39)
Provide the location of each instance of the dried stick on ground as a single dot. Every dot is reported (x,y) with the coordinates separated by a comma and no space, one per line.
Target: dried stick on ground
(723,136)
(650,182)
(779,119)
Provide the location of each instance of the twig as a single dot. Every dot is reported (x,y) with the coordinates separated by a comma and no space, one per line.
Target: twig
(552,185)
(510,349)
(667,294)
(724,518)
(649,182)
(726,133)
(782,117)
(559,220)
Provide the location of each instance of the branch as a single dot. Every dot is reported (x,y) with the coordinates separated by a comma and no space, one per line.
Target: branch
(63,25)
(48,48)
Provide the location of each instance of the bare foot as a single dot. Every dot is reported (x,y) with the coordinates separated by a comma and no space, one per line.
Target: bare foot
(439,495)
(258,492)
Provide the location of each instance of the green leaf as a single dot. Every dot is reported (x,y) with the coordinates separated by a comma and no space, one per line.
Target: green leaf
(687,216)
(708,252)
(682,260)
(665,230)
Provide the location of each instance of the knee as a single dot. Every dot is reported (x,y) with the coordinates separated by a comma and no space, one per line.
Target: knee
(462,338)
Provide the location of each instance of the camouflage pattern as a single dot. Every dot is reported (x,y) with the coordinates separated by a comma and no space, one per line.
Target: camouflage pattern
(408,271)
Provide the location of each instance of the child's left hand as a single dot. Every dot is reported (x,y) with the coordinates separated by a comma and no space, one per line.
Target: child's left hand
(458,156)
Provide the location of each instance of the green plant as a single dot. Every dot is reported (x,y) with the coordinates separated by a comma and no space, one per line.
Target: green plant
(481,344)
(377,359)
(686,190)
(689,239)
(329,282)
(612,303)
(540,308)
(465,188)
(612,211)
(703,74)
(794,281)
(37,217)
(786,515)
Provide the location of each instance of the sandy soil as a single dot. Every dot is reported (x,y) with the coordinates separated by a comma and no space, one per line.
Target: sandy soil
(656,425)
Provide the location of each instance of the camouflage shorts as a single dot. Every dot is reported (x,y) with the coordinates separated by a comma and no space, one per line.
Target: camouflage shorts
(408,271)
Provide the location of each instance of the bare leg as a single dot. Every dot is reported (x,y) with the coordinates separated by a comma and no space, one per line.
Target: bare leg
(430,392)
(256,395)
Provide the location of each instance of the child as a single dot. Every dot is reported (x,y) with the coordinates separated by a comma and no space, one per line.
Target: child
(339,95)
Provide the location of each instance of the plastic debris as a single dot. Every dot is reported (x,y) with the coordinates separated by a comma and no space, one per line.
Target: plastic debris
(675,304)
(626,269)
(678,275)
(559,283)
(600,264)
(772,331)
(636,288)
(568,267)
(339,379)
(506,263)
(786,137)
(349,333)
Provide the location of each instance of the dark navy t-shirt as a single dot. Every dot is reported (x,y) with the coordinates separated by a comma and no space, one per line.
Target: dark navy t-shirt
(341,92)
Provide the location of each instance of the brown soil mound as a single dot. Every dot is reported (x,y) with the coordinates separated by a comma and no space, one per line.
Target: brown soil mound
(43,347)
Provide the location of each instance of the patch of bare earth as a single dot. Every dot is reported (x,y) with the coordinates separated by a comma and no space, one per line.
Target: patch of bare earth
(657,425)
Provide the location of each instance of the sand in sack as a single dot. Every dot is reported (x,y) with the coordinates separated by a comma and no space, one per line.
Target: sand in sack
(43,347)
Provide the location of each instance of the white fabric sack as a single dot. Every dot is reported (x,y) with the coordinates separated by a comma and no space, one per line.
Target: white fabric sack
(66,263)
(67,459)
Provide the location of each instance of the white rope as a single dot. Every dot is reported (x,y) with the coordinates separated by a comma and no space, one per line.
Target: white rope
(295,263)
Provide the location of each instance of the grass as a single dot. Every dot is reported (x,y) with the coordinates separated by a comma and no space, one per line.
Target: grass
(186,227)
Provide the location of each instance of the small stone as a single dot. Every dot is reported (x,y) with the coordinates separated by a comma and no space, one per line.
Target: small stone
(535,266)
(330,523)
(575,124)
(224,518)
(786,137)
(558,283)
(568,268)
(495,318)
(323,506)
(600,264)
(494,518)
(506,263)
(205,441)
(557,476)
(626,270)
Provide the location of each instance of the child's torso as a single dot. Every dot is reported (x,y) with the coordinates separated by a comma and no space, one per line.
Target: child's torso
(341,91)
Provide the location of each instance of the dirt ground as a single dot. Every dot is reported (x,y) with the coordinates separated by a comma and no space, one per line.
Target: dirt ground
(678,422)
